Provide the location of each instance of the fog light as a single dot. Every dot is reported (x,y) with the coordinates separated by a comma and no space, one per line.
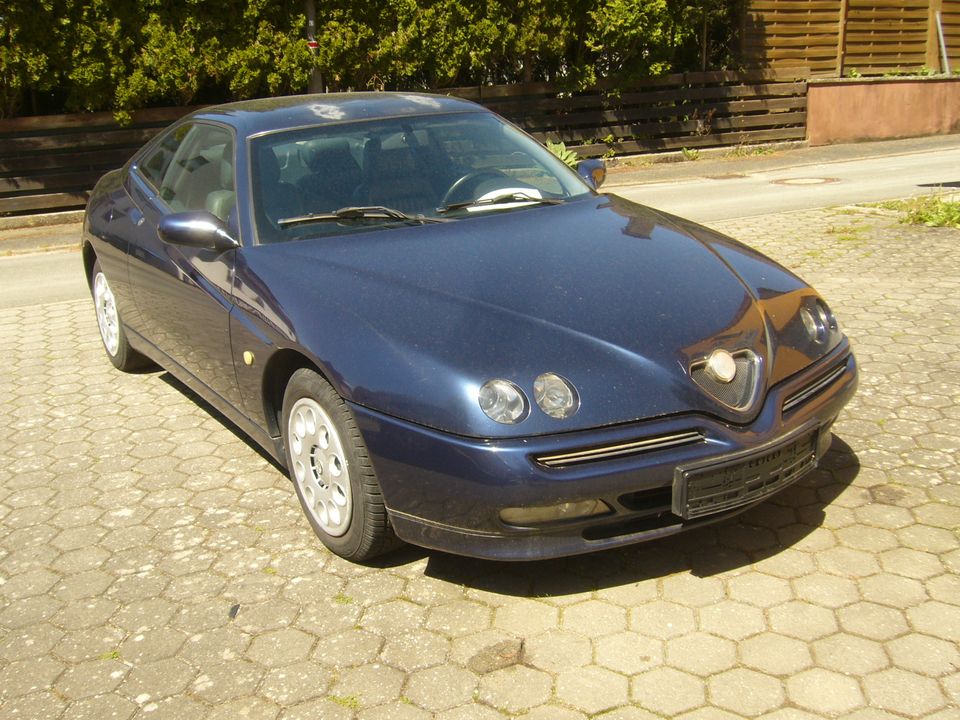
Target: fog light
(552,513)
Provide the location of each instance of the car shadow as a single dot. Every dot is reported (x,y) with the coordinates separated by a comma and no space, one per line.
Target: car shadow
(760,533)
(222,419)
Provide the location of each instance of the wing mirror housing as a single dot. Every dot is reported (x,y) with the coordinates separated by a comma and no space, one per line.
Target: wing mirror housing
(594,171)
(197,229)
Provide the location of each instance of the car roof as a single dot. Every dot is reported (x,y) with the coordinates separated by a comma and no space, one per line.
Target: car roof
(251,117)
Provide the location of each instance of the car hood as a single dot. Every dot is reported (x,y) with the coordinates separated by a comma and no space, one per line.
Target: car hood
(619,299)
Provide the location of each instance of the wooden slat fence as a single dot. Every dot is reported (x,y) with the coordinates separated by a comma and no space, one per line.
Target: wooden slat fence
(838,37)
(689,110)
(49,163)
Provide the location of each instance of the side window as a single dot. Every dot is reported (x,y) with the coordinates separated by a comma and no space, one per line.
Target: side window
(199,173)
(158,161)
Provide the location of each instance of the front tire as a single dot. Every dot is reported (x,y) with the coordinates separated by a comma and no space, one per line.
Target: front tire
(331,471)
(112,334)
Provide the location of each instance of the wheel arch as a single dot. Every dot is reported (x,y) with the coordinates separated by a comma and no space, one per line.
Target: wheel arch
(89,259)
(276,375)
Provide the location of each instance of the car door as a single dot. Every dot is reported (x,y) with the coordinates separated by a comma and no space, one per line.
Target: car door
(183,294)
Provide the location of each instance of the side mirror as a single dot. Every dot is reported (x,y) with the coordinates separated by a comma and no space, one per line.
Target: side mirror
(198,229)
(593,171)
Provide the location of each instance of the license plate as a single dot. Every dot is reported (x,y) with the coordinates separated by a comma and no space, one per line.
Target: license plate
(743,478)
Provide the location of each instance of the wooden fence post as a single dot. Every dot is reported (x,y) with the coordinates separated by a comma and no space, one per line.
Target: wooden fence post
(842,36)
(932,55)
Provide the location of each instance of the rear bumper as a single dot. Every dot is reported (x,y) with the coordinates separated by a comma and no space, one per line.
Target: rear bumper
(446,492)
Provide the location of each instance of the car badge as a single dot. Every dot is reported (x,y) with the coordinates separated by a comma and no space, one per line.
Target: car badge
(721,366)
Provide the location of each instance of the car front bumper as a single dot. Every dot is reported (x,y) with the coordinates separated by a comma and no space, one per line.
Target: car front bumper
(658,477)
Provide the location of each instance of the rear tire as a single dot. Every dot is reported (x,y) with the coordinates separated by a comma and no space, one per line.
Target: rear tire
(331,470)
(112,334)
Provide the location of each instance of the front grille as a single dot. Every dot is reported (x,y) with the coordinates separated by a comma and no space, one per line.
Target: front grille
(740,392)
(619,450)
(814,388)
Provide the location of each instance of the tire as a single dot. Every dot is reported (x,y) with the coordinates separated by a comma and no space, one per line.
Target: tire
(331,470)
(112,334)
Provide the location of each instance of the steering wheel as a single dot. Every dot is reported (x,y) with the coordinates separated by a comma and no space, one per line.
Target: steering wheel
(473,178)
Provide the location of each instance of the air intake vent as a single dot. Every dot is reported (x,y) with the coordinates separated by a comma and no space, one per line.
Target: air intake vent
(740,392)
(814,388)
(620,450)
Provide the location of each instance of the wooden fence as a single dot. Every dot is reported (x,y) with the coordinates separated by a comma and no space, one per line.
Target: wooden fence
(49,163)
(838,37)
(689,110)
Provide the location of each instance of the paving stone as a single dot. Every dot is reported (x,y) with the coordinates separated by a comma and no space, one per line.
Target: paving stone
(515,689)
(24,677)
(627,653)
(93,677)
(399,710)
(802,620)
(904,692)
(733,620)
(823,691)
(526,617)
(759,589)
(924,654)
(594,618)
(937,618)
(416,649)
(441,688)
(591,689)
(667,691)
(372,684)
(458,618)
(701,653)
(295,683)
(153,544)
(745,691)
(280,647)
(349,648)
(872,621)
(850,654)
(662,619)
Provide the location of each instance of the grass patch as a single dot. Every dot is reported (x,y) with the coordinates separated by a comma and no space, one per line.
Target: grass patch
(929,210)
(741,151)
(351,702)
(341,599)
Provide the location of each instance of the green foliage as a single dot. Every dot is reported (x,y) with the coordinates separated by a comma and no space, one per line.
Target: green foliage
(70,55)
(690,154)
(929,210)
(559,149)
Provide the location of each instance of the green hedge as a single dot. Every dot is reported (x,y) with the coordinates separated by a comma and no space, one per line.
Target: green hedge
(72,55)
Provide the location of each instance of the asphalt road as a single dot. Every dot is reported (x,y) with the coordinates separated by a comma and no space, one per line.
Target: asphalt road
(725,195)
(41,278)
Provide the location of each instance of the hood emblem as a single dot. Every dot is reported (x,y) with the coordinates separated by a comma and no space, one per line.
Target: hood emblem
(721,366)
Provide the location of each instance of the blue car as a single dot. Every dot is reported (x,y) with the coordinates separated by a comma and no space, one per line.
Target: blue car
(449,337)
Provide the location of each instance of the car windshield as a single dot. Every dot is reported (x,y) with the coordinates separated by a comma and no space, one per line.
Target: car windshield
(354,177)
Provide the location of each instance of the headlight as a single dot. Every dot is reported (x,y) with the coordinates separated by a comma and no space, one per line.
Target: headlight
(556,396)
(503,402)
(819,321)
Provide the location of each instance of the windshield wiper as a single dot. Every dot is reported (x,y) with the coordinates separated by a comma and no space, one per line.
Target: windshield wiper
(362,212)
(507,197)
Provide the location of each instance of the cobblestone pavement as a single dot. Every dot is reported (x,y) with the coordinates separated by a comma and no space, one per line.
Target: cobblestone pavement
(154,565)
